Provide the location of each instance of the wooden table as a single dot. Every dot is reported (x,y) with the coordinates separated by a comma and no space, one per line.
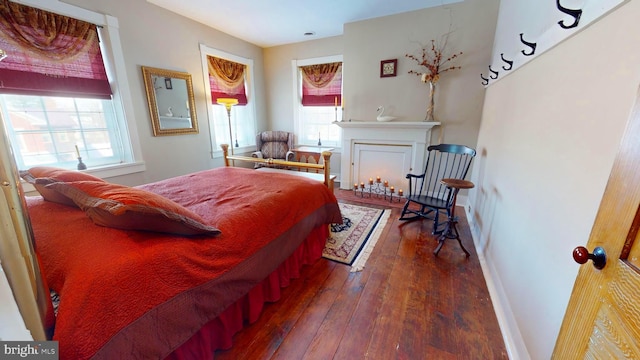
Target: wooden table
(451,230)
(310,154)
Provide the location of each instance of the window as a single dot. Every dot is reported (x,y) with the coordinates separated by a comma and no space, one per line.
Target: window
(55,131)
(49,124)
(238,130)
(318,105)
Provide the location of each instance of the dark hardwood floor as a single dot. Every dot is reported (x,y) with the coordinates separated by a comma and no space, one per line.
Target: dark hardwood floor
(405,304)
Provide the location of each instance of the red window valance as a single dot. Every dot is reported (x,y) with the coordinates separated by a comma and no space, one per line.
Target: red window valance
(49,54)
(226,79)
(322,84)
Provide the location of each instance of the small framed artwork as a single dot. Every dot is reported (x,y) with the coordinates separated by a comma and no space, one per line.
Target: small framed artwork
(167,83)
(388,68)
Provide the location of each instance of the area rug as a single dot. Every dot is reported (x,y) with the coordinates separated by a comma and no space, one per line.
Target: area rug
(352,241)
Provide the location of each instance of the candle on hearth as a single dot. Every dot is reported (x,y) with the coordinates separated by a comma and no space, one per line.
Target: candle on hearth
(400,192)
(77,151)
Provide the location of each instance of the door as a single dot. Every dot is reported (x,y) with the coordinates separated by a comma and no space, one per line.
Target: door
(603,316)
(17,253)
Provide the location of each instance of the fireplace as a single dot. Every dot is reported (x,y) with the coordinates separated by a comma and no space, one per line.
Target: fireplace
(386,149)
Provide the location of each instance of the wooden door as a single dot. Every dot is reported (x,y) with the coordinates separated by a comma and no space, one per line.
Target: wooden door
(603,316)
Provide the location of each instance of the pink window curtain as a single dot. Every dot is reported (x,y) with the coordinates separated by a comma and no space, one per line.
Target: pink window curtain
(322,84)
(226,79)
(49,54)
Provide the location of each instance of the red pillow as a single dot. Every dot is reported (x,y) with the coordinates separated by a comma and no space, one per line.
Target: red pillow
(39,176)
(128,208)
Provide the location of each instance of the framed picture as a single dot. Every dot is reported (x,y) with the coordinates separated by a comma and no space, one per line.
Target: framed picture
(388,67)
(167,83)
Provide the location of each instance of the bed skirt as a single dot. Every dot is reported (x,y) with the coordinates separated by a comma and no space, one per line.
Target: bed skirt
(218,333)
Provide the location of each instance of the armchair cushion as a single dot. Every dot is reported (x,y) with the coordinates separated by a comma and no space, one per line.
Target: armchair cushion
(274,144)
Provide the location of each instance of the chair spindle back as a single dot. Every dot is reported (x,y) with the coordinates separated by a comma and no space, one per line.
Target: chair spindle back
(445,161)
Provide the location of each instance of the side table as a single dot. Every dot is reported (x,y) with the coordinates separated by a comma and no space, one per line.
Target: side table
(451,230)
(310,154)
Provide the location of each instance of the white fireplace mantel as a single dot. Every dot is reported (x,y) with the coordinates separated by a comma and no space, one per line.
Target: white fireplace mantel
(387,125)
(371,147)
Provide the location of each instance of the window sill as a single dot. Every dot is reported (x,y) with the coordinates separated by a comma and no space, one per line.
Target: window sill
(242,150)
(117,170)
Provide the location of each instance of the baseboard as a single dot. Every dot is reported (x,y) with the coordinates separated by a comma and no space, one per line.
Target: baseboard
(513,341)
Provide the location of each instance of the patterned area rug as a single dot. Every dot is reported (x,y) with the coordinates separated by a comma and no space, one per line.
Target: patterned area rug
(352,242)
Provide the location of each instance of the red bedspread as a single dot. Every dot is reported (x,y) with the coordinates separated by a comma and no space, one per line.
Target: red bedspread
(140,294)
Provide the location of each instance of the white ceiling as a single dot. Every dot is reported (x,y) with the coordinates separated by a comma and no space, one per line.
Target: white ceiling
(276,22)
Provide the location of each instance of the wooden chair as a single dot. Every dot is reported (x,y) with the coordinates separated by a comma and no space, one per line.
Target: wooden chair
(427,193)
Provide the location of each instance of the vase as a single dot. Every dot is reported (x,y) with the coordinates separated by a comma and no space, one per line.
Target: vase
(430,105)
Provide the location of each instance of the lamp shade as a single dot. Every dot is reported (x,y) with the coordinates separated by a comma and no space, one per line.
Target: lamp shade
(227,102)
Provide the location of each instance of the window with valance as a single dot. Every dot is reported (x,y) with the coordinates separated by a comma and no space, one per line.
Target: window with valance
(322,84)
(230,76)
(55,94)
(227,80)
(319,98)
(50,54)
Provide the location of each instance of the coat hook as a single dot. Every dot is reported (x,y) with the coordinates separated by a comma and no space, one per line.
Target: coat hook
(485,81)
(575,13)
(509,62)
(494,72)
(529,44)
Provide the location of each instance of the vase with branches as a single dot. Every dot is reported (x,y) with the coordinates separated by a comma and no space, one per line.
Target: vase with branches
(433,62)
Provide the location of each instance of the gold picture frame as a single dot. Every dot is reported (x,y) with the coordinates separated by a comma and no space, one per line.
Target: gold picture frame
(171,102)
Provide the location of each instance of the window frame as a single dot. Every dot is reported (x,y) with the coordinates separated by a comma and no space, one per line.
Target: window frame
(297,95)
(111,47)
(216,151)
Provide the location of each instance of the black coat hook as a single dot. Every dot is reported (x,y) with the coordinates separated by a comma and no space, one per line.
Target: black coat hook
(509,62)
(485,81)
(572,12)
(529,44)
(494,73)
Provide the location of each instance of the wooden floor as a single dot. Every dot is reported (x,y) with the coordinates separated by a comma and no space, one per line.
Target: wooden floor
(406,304)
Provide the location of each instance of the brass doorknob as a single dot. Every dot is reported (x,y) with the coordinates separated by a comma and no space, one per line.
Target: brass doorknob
(581,255)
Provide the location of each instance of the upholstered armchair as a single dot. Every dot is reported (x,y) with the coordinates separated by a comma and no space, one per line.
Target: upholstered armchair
(274,145)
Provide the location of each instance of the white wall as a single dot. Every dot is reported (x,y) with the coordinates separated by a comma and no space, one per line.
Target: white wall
(364,44)
(549,134)
(459,93)
(153,36)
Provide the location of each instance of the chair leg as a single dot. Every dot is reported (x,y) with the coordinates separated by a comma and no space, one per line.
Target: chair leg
(450,232)
(436,223)
(406,211)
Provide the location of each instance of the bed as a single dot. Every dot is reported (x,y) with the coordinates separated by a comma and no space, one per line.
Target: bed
(146,294)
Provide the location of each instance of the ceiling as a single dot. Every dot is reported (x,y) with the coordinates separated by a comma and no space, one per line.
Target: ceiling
(262,23)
